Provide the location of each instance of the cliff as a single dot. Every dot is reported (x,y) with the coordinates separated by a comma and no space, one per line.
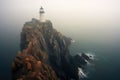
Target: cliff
(44,54)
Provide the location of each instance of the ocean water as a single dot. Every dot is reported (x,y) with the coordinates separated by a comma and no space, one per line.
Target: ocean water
(106,65)
(9,46)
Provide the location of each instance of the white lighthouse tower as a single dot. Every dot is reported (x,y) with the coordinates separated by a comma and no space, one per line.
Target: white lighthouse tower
(42,15)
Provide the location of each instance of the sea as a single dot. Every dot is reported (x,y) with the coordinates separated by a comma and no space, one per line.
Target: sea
(106,65)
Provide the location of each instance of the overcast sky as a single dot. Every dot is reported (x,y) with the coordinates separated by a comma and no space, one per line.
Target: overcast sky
(99,19)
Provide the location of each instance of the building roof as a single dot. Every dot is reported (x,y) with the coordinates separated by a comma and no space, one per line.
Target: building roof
(42,10)
(41,7)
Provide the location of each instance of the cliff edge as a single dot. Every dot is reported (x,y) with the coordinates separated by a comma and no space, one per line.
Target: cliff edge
(44,54)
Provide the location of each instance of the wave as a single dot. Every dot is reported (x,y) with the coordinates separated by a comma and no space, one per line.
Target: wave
(72,41)
(81,73)
(91,56)
(88,57)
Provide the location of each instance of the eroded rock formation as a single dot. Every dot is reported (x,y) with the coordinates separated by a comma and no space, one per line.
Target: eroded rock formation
(44,54)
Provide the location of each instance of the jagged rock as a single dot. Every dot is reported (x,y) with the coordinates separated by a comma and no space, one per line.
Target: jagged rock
(44,54)
(27,67)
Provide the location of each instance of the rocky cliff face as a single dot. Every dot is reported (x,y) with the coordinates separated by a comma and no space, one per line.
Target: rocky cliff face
(44,54)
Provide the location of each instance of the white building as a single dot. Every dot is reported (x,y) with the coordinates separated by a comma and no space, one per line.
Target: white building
(42,15)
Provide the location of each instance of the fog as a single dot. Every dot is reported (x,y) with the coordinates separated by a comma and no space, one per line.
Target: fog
(86,20)
(93,24)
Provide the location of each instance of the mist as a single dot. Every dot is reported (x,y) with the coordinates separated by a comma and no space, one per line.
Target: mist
(88,22)
(93,20)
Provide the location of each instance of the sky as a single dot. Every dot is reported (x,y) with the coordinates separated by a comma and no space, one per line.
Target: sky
(89,21)
(93,20)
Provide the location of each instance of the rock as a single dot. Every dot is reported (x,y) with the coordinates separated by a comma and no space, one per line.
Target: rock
(44,54)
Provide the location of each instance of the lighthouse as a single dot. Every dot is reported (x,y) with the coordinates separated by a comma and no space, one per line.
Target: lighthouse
(42,15)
